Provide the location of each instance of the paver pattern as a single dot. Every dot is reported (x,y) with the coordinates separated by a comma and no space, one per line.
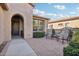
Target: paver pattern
(46,47)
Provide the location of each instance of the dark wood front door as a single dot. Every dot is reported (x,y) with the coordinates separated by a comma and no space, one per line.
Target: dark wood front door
(15,28)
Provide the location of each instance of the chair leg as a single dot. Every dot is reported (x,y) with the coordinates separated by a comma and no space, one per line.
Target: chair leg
(57,38)
(51,38)
(62,41)
(46,37)
(67,40)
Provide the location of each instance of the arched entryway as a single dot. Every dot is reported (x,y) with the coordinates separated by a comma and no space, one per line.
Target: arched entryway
(17,26)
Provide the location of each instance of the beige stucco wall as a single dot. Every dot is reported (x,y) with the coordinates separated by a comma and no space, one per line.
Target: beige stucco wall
(1,26)
(25,10)
(46,26)
(72,23)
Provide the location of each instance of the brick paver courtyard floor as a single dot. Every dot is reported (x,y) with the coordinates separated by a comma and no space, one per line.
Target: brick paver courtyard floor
(41,47)
(46,47)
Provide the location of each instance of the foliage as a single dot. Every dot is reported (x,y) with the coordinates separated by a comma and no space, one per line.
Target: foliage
(38,34)
(73,48)
(71,51)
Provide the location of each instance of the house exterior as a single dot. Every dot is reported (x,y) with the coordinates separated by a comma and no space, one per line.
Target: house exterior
(40,24)
(16,20)
(72,22)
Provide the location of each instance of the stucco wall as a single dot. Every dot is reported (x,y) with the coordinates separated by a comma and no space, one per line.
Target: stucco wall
(1,26)
(72,23)
(25,10)
(46,26)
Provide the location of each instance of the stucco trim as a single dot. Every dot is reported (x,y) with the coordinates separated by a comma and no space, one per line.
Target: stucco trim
(67,19)
(72,28)
(17,14)
(39,18)
(31,4)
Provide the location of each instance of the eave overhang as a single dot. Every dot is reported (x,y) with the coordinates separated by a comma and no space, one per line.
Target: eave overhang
(4,6)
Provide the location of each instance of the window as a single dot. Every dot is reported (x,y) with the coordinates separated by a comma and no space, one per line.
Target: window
(51,26)
(66,24)
(41,25)
(38,25)
(35,25)
(60,24)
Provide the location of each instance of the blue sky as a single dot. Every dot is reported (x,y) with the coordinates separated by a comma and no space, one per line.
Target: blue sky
(56,11)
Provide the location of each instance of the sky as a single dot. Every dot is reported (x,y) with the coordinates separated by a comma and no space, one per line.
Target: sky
(56,11)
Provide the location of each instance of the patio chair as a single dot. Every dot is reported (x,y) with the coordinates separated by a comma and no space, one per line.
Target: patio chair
(55,34)
(50,33)
(66,34)
(47,35)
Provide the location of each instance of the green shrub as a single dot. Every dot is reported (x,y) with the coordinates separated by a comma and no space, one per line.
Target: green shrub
(38,34)
(70,51)
(74,44)
(75,40)
(73,48)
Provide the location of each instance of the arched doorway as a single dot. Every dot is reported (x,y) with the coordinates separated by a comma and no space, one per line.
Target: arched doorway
(17,26)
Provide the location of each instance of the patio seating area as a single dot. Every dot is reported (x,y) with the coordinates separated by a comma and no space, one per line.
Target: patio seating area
(52,44)
(65,34)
